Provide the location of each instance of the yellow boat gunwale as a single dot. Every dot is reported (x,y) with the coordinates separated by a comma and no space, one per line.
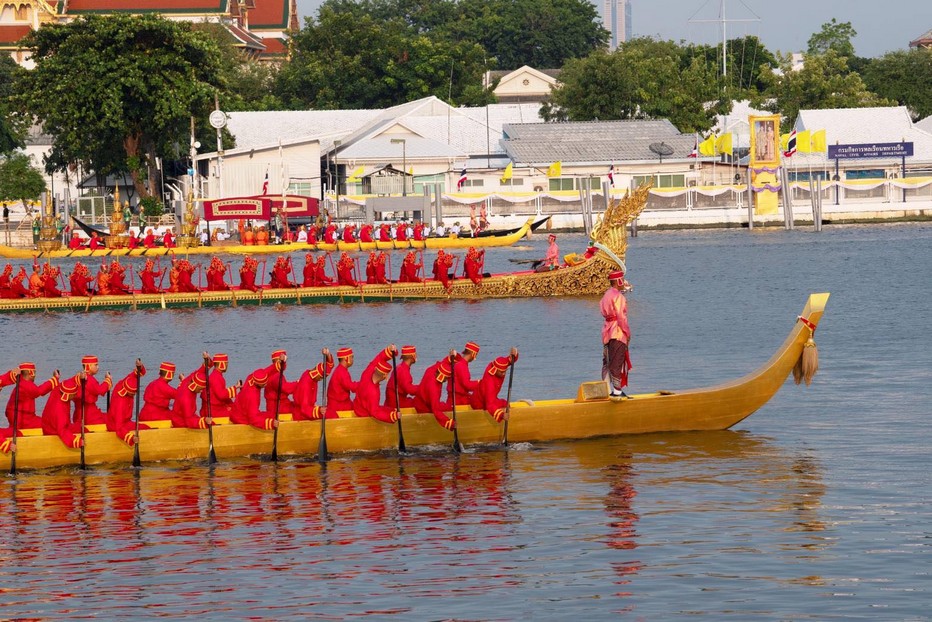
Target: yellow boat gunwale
(713,408)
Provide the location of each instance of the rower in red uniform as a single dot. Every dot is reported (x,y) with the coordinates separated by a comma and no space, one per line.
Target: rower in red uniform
(406,387)
(184,411)
(95,242)
(349,234)
(75,243)
(80,278)
(485,397)
(385,232)
(25,400)
(280,272)
(91,390)
(368,393)
(305,394)
(246,409)
(55,416)
(401,231)
(5,281)
(168,240)
(310,267)
(159,395)
(221,396)
(341,385)
(149,240)
(148,275)
(410,269)
(17,289)
(247,275)
(185,274)
(50,281)
(465,386)
(365,233)
(442,266)
(120,417)
(117,276)
(215,276)
(312,232)
(378,268)
(276,374)
(472,266)
(419,231)
(430,390)
(345,271)
(320,273)
(370,269)
(330,234)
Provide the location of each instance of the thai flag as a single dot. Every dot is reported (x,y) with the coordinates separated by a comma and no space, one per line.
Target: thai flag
(611,175)
(695,152)
(265,184)
(790,145)
(462,179)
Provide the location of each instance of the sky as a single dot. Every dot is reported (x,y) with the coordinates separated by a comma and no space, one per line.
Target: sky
(785,25)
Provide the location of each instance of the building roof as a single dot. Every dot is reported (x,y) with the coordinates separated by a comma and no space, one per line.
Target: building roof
(383,149)
(539,144)
(142,6)
(924,40)
(925,125)
(256,129)
(10,34)
(847,126)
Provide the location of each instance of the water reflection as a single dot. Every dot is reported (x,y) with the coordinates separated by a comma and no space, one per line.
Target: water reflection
(387,534)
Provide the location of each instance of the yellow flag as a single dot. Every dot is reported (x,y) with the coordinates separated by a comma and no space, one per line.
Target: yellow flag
(356,175)
(723,144)
(507,174)
(804,142)
(707,147)
(784,142)
(818,142)
(555,169)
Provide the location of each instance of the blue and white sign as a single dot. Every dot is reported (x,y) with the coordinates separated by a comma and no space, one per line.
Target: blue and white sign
(870,150)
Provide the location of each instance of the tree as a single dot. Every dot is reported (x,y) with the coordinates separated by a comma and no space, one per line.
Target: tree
(11,131)
(823,82)
(115,92)
(19,180)
(834,36)
(349,59)
(643,79)
(905,77)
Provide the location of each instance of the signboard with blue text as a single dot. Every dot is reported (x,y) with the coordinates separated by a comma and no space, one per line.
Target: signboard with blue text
(870,150)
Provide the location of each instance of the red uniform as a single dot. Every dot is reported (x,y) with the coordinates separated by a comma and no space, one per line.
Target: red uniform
(50,282)
(246,409)
(442,266)
(406,387)
(368,393)
(401,232)
(117,274)
(330,234)
(365,233)
(465,386)
(157,400)
(385,233)
(409,269)
(80,279)
(320,274)
(26,401)
(275,375)
(485,397)
(312,235)
(75,242)
(345,271)
(215,274)
(221,397)
(147,275)
(95,243)
(247,275)
(185,273)
(280,272)
(338,391)
(419,231)
(348,234)
(310,268)
(184,412)
(472,266)
(149,240)
(55,415)
(92,390)
(168,240)
(120,417)
(17,290)
(305,393)
(430,390)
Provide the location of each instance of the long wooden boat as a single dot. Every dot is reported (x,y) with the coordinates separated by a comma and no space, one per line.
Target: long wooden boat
(589,414)
(495,238)
(582,278)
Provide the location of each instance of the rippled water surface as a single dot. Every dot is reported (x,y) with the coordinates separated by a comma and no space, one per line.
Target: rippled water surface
(816,507)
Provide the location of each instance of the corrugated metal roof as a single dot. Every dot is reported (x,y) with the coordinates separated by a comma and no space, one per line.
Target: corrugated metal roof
(593,141)
(383,149)
(263,128)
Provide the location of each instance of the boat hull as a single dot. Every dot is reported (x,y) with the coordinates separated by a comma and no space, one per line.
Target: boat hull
(590,414)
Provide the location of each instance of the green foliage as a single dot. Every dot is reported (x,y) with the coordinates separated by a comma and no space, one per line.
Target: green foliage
(904,77)
(747,58)
(109,89)
(19,180)
(643,79)
(11,126)
(835,36)
(823,82)
(151,207)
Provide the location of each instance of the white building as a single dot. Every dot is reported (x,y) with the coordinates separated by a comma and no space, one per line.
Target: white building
(616,18)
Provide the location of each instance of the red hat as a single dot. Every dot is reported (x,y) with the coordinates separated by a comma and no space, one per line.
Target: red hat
(69,387)
(260,377)
(27,367)
(472,346)
(278,354)
(221,358)
(168,368)
(317,372)
(198,379)
(342,353)
(89,360)
(444,368)
(383,366)
(616,275)
(501,363)
(127,386)
(408,351)
(552,237)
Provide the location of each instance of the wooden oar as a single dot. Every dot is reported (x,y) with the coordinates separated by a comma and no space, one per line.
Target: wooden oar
(136,461)
(456,437)
(401,437)
(83,393)
(211,454)
(511,377)
(278,401)
(322,446)
(15,423)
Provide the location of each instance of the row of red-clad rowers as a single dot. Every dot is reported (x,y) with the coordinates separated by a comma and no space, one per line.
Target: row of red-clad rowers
(204,395)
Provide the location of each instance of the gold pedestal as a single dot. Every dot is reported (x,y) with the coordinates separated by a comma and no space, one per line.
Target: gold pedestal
(116,241)
(49,245)
(191,241)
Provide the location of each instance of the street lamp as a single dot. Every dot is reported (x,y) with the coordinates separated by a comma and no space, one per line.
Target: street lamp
(404,164)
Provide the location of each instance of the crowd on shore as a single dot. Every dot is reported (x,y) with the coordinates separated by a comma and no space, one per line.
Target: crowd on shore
(203,396)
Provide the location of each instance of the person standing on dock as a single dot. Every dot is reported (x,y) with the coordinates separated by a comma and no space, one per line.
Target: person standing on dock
(616,335)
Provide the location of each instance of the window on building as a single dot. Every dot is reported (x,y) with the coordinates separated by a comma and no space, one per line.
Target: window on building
(874,173)
(512,182)
(562,183)
(473,183)
(672,180)
(302,188)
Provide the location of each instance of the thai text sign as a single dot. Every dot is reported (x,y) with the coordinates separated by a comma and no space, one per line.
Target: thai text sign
(870,150)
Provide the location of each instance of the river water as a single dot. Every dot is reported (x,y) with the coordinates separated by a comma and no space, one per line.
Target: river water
(818,506)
